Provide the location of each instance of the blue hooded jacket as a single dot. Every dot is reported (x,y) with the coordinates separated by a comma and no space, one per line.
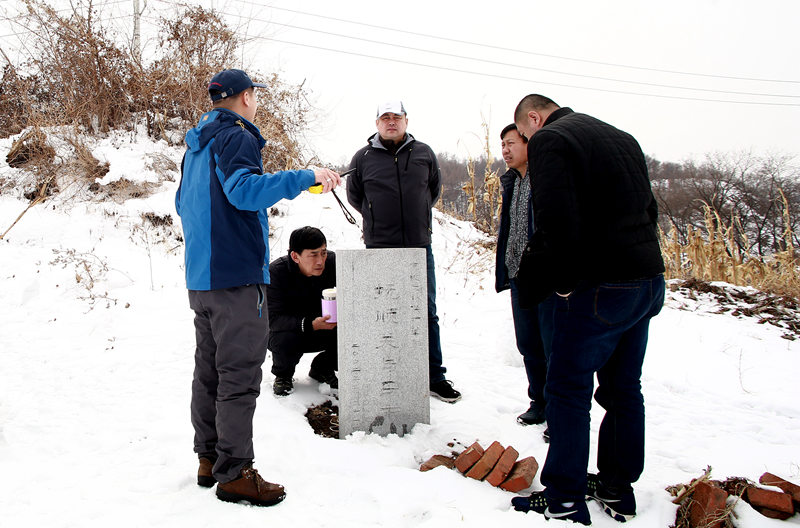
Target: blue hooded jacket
(223,199)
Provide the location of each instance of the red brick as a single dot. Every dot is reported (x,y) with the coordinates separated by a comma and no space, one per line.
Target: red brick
(773,504)
(438,460)
(483,466)
(468,458)
(769,479)
(708,501)
(521,476)
(503,467)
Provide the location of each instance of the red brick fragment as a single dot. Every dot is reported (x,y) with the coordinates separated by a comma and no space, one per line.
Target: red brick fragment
(768,479)
(708,503)
(483,466)
(503,467)
(438,460)
(468,458)
(772,504)
(521,476)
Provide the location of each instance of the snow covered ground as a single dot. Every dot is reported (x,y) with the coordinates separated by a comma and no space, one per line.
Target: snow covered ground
(96,351)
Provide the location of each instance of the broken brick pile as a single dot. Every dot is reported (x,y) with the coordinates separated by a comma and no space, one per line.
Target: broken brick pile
(709,501)
(496,465)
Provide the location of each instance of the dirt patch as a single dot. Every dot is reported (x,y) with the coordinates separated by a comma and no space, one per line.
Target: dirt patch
(324,419)
(777,310)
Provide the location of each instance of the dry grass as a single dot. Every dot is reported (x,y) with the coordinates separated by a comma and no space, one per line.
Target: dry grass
(715,256)
(486,214)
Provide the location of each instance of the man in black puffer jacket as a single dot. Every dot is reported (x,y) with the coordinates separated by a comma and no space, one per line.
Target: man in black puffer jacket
(595,263)
(394,186)
(294,303)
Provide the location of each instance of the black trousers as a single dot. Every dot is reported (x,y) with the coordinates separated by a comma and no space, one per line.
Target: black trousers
(288,347)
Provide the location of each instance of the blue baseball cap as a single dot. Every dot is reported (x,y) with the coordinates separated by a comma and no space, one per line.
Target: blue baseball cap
(230,82)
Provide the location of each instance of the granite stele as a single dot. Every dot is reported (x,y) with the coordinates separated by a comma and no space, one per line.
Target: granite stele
(382,301)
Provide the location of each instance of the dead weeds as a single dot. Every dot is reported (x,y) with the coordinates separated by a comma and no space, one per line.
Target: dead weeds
(781,311)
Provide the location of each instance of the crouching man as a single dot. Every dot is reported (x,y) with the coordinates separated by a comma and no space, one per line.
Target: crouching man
(296,323)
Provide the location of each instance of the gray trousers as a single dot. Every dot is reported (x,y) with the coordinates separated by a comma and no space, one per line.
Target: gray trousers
(231,333)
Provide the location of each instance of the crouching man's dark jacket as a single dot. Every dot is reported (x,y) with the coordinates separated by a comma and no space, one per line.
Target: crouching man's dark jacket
(595,212)
(294,300)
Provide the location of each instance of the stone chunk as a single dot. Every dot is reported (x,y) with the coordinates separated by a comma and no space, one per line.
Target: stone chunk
(486,463)
(769,503)
(382,309)
(521,476)
(436,461)
(768,479)
(468,458)
(503,467)
(708,503)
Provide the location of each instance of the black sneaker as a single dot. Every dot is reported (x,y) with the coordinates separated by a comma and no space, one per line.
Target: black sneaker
(282,386)
(546,435)
(576,511)
(533,416)
(444,391)
(619,505)
(329,378)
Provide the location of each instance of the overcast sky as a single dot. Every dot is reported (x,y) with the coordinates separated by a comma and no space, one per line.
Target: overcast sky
(685,77)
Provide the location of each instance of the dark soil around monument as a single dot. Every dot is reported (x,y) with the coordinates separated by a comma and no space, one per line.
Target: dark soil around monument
(324,419)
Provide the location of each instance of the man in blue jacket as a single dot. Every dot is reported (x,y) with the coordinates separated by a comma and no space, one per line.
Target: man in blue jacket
(516,227)
(594,265)
(222,201)
(394,186)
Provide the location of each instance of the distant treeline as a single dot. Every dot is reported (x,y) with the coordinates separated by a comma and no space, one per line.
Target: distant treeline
(756,198)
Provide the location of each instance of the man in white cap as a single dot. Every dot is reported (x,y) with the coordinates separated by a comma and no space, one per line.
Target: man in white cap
(394,187)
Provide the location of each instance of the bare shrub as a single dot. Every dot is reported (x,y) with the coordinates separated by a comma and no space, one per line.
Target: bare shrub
(163,165)
(31,151)
(14,114)
(82,76)
(282,117)
(157,220)
(193,46)
(124,189)
(87,167)
(89,270)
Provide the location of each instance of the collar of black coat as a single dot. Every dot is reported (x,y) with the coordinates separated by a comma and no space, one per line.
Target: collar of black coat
(558,114)
(377,142)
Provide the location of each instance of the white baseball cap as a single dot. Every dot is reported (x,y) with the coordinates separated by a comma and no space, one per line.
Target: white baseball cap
(391,107)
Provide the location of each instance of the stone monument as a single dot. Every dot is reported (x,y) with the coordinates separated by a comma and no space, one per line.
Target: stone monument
(382,300)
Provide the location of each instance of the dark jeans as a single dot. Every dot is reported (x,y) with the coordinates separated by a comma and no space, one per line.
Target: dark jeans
(231,328)
(288,347)
(437,370)
(599,328)
(529,344)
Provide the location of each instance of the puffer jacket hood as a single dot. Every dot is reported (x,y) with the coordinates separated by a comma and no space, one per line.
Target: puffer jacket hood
(212,122)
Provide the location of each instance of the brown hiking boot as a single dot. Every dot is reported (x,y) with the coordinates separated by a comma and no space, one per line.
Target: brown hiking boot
(252,488)
(204,477)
